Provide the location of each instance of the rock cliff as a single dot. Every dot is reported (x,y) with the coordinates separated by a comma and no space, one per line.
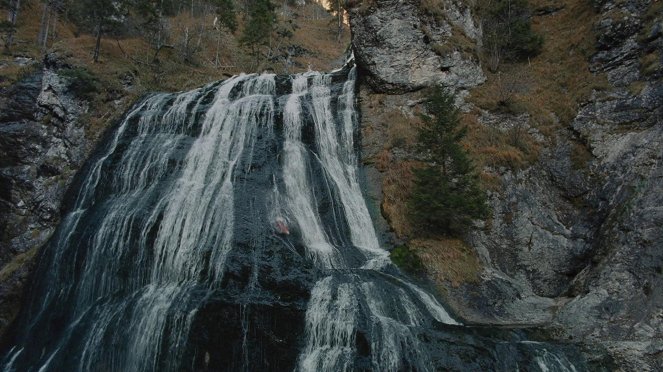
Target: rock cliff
(400,45)
(43,143)
(574,246)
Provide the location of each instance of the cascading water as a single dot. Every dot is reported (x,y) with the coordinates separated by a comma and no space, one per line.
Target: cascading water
(170,256)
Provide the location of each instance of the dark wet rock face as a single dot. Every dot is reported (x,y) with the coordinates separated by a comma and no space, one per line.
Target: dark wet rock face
(98,281)
(42,144)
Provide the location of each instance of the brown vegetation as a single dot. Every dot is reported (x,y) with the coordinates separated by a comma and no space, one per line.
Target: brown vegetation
(558,80)
(549,88)
(514,148)
(447,261)
(134,55)
(210,55)
(396,186)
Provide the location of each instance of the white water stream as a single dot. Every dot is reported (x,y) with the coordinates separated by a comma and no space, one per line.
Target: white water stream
(148,239)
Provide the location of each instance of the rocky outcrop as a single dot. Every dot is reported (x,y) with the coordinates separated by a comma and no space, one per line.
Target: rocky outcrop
(42,145)
(400,46)
(617,298)
(575,242)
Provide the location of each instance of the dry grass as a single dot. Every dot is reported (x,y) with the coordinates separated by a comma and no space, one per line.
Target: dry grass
(636,87)
(550,87)
(651,16)
(319,36)
(490,181)
(389,114)
(402,129)
(580,156)
(362,6)
(650,63)
(396,187)
(447,261)
(434,8)
(12,72)
(458,41)
(28,27)
(492,147)
(561,75)
(557,80)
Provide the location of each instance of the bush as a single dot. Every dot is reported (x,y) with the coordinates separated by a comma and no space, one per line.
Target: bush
(81,82)
(406,260)
(446,196)
(508,34)
(523,43)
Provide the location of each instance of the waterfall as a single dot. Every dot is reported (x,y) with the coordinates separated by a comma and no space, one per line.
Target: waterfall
(225,228)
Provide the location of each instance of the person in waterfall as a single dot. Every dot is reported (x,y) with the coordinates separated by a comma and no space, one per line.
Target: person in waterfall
(281,226)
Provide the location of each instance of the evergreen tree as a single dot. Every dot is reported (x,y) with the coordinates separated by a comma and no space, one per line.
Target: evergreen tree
(446,195)
(259,26)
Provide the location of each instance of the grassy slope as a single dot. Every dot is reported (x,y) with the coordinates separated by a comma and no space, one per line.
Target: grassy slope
(549,88)
(133,55)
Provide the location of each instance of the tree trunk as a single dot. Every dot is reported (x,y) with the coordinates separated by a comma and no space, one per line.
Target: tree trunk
(97,45)
(14,5)
(44,44)
(339,11)
(217,59)
(54,24)
(43,26)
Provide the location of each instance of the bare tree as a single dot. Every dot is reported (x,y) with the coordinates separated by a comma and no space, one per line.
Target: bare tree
(340,12)
(49,19)
(12,16)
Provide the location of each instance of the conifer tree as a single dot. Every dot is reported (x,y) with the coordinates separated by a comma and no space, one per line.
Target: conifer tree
(259,26)
(446,195)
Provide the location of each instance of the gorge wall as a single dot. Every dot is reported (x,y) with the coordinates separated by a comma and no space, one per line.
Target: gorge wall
(575,241)
(574,245)
(42,146)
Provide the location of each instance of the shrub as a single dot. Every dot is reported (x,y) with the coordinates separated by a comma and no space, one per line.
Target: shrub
(406,260)
(508,34)
(81,82)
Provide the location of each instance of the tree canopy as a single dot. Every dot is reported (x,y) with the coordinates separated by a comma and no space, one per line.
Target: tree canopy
(261,21)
